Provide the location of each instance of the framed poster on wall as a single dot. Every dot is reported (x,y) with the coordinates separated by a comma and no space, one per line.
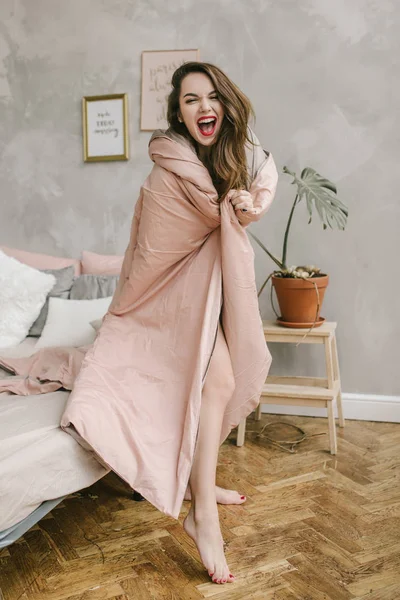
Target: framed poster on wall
(157,69)
(105,127)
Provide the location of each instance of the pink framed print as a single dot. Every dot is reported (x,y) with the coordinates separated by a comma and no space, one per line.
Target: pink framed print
(157,69)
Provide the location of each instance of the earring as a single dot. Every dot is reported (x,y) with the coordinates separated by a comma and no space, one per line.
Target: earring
(180,120)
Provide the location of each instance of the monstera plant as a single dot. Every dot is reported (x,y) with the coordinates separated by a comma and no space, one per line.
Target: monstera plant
(300,289)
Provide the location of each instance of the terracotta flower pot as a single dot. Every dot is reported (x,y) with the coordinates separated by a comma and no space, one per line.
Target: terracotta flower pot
(298,299)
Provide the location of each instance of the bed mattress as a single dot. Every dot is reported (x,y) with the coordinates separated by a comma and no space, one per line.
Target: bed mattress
(38,460)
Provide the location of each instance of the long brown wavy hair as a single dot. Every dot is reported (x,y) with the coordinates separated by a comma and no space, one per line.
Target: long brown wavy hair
(226,160)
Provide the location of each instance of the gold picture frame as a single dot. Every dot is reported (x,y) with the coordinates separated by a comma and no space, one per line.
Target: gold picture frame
(105,127)
(157,69)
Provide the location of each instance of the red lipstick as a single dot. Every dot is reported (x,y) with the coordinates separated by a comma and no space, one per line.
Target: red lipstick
(209,125)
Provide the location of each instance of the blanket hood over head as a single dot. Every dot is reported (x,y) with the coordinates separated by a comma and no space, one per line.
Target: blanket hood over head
(136,401)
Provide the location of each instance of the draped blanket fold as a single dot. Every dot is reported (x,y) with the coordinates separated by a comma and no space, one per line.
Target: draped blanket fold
(47,370)
(136,400)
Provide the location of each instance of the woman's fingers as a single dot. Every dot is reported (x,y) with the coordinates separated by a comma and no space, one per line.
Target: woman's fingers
(242,199)
(242,202)
(251,211)
(243,205)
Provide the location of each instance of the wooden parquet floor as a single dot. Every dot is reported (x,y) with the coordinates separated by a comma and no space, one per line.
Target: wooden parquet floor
(314,527)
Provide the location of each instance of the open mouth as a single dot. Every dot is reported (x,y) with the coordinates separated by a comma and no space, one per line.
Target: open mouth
(207,125)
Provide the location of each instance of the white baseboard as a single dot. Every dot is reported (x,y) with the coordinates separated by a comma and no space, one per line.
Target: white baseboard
(362,407)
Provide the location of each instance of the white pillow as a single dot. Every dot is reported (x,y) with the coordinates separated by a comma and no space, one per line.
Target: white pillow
(96,324)
(23,292)
(68,322)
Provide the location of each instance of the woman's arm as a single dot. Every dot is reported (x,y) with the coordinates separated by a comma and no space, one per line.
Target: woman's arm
(262,192)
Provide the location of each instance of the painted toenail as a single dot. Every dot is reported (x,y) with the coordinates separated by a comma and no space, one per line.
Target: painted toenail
(242,497)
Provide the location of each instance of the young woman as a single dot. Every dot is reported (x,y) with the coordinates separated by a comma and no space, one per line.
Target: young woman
(180,358)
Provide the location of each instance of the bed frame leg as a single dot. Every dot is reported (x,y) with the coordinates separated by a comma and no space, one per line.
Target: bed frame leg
(137,497)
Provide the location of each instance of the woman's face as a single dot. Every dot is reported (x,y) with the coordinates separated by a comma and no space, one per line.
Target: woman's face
(200,108)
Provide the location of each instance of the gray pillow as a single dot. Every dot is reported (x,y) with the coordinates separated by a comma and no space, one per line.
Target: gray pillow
(90,287)
(61,289)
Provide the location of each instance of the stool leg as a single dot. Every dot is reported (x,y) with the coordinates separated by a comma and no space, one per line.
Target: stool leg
(257,414)
(240,433)
(332,428)
(329,362)
(336,373)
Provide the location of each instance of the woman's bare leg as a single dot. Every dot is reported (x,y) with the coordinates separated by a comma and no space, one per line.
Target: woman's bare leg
(202,521)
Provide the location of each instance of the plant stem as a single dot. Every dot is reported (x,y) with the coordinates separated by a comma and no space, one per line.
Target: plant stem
(285,240)
(272,257)
(264,284)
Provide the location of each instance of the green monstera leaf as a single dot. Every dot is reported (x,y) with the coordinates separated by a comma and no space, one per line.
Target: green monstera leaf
(320,193)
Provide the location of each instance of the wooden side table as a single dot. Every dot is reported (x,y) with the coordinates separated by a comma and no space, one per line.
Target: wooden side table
(304,391)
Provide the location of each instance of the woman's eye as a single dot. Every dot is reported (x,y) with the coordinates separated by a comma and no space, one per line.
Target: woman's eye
(190,101)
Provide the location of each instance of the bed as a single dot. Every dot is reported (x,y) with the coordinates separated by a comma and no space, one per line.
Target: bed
(40,464)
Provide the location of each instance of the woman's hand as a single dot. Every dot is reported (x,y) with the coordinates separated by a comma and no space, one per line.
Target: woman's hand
(242,200)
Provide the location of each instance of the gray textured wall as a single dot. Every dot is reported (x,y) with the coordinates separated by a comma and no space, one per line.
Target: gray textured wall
(323,77)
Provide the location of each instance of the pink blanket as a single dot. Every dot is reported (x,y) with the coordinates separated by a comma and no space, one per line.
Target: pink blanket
(136,400)
(47,370)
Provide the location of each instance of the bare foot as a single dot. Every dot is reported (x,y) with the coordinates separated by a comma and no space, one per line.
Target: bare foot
(206,534)
(223,496)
